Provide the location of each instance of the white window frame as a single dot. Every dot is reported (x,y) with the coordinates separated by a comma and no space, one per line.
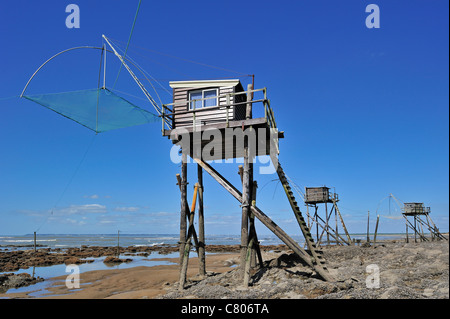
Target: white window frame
(203,96)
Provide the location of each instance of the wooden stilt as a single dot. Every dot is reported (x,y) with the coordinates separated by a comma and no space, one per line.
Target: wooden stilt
(376,229)
(253,245)
(245,209)
(247,183)
(307,215)
(336,221)
(188,214)
(188,240)
(256,251)
(201,224)
(407,238)
(248,261)
(349,240)
(183,186)
(326,225)
(317,224)
(327,228)
(415,229)
(421,227)
(118,244)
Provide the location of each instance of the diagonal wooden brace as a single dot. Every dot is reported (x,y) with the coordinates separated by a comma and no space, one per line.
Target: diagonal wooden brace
(266,221)
(191,231)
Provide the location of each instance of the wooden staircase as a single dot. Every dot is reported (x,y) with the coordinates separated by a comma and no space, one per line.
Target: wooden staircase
(315,252)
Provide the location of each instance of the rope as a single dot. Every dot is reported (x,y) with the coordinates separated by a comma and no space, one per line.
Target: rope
(98,90)
(8,98)
(70,182)
(186,60)
(145,73)
(129,39)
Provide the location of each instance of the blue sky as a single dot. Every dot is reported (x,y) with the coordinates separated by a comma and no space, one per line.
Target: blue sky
(364,110)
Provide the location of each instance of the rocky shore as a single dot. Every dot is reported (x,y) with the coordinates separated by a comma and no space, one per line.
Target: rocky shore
(393,270)
(14,260)
(11,280)
(388,270)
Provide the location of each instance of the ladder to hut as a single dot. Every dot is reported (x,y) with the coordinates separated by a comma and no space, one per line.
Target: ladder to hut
(316,252)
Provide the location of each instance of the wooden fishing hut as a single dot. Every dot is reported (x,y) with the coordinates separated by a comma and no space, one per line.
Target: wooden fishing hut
(216,120)
(421,220)
(323,195)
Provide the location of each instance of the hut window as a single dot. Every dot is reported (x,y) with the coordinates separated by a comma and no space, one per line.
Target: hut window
(208,94)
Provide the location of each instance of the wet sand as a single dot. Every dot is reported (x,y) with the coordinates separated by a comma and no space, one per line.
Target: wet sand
(131,283)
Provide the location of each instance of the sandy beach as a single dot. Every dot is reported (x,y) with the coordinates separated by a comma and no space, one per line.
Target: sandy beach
(388,270)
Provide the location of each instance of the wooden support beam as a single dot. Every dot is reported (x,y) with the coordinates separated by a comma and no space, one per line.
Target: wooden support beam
(247,185)
(376,229)
(201,224)
(266,221)
(183,187)
(317,224)
(342,222)
(257,248)
(188,245)
(252,228)
(248,110)
(188,214)
(253,248)
(326,224)
(413,227)
(246,200)
(317,219)
(327,229)
(407,237)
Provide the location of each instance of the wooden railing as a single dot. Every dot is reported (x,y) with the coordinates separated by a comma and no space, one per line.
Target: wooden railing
(268,111)
(168,109)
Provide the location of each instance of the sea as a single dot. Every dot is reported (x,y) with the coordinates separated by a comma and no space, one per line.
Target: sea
(13,242)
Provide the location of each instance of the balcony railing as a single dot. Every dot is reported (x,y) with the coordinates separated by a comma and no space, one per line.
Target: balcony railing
(168,109)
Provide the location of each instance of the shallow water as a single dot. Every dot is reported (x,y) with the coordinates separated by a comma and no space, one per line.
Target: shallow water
(48,272)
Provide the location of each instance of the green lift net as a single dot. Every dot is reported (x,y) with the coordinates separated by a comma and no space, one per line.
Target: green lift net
(97,109)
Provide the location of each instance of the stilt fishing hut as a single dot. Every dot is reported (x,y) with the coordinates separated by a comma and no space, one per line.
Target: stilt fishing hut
(211,119)
(421,219)
(322,195)
(218,119)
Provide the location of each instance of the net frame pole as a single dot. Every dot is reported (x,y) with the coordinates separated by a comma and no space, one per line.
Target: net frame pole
(104,68)
(135,78)
(54,56)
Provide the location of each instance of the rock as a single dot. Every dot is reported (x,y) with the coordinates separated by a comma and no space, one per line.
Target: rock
(282,285)
(428,292)
(293,295)
(115,260)
(11,280)
(73,260)
(230,262)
